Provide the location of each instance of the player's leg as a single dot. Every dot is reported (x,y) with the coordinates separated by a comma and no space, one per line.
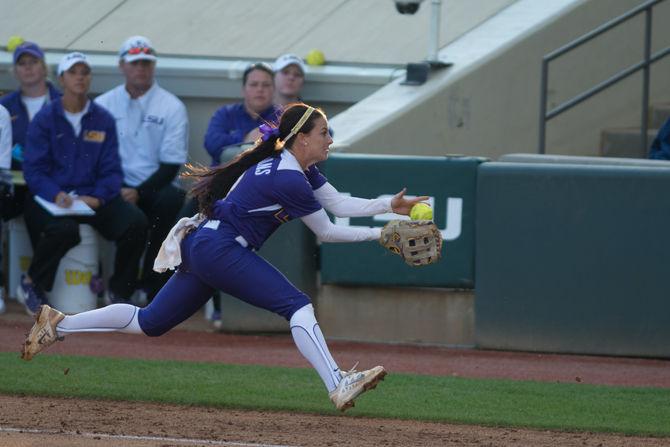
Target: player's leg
(242,273)
(179,299)
(52,325)
(312,345)
(182,296)
(346,386)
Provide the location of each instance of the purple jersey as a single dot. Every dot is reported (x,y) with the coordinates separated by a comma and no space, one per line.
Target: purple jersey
(268,194)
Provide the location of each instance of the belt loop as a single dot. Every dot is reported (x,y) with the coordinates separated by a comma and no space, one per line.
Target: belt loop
(243,242)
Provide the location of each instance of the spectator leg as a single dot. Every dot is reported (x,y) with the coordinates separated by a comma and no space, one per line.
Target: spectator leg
(51,238)
(127,225)
(162,210)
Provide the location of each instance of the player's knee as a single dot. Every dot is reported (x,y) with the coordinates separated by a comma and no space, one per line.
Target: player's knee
(151,326)
(294,305)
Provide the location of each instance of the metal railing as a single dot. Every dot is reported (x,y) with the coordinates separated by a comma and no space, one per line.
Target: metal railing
(644,65)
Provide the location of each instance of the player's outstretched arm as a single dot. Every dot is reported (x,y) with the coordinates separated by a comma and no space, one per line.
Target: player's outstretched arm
(344,205)
(327,231)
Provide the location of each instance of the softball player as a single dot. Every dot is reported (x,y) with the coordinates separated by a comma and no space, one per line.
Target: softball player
(272,183)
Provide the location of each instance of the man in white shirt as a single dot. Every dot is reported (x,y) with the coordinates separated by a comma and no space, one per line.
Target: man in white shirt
(5,139)
(152,128)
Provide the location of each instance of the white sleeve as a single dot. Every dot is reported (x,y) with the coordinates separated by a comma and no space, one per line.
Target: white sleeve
(327,231)
(343,205)
(5,139)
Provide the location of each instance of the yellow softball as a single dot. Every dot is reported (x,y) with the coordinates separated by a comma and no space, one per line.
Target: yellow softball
(421,211)
(315,57)
(13,42)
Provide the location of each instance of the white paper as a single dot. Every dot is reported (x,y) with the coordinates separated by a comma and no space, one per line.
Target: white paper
(78,208)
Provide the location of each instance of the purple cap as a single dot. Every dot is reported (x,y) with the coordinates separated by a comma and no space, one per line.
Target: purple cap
(28,48)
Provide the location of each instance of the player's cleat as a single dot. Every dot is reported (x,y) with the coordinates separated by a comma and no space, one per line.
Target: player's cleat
(30,296)
(43,332)
(353,384)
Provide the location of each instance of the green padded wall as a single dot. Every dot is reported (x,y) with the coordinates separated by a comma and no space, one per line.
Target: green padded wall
(450,181)
(573,259)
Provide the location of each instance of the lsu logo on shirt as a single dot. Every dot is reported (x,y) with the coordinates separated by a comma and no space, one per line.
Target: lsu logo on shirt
(153,119)
(94,136)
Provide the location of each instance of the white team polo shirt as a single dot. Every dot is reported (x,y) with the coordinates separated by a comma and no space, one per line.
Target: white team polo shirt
(152,129)
(5,139)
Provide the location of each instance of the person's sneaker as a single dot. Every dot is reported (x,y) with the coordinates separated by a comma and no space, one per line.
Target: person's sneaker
(30,296)
(43,332)
(216,320)
(353,384)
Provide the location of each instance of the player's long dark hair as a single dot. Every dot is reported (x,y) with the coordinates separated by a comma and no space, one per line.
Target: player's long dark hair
(214,183)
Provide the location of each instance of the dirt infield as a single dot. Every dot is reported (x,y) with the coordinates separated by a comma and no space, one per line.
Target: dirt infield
(70,422)
(75,423)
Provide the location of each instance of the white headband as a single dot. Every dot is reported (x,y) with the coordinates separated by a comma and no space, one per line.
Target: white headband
(279,145)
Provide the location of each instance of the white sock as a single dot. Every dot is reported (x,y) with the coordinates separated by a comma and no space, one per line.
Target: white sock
(311,344)
(112,318)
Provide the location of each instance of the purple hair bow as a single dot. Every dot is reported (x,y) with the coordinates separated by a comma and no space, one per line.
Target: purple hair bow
(268,131)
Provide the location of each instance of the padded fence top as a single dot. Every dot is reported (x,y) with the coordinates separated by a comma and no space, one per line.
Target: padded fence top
(573,159)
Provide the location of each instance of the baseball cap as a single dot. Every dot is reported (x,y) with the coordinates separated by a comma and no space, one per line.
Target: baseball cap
(71,59)
(285,60)
(137,48)
(28,48)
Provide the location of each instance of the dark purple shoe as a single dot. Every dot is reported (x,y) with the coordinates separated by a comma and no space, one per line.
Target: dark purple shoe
(30,295)
(97,285)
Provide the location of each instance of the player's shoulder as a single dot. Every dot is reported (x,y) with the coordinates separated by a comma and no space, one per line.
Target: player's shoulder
(288,162)
(289,174)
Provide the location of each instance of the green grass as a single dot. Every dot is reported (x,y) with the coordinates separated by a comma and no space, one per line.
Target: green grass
(559,406)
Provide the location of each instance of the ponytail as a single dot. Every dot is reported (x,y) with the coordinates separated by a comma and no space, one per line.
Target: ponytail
(214,183)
